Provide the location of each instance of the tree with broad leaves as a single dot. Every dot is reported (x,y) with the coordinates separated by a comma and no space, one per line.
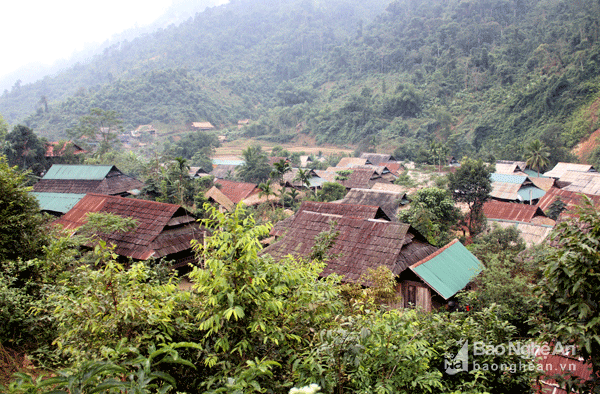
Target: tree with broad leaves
(23,148)
(471,184)
(256,165)
(569,290)
(99,125)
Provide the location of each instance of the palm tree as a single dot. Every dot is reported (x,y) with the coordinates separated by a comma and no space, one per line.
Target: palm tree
(280,169)
(537,155)
(267,190)
(304,177)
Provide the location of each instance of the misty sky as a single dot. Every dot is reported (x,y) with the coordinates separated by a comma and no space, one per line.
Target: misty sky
(48,30)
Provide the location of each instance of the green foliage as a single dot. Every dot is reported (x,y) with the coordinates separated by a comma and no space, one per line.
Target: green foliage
(23,148)
(331,191)
(537,155)
(198,147)
(432,212)
(471,184)
(21,235)
(571,282)
(254,313)
(99,306)
(506,281)
(556,208)
(256,165)
(99,126)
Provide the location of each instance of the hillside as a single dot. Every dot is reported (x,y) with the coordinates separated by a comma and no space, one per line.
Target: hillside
(481,77)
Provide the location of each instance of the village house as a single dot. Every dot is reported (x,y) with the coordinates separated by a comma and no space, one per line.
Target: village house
(530,220)
(377,158)
(227,194)
(56,150)
(203,126)
(572,200)
(162,231)
(427,276)
(65,184)
(514,188)
(390,201)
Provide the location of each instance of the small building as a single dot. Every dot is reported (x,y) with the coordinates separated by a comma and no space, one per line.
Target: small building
(83,179)
(365,243)
(516,188)
(378,158)
(203,126)
(352,178)
(163,230)
(58,149)
(581,182)
(530,220)
(561,168)
(229,193)
(57,204)
(571,199)
(352,161)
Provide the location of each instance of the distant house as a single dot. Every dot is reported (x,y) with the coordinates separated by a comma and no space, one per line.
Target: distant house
(203,126)
(243,122)
(163,231)
(530,220)
(378,158)
(561,168)
(365,242)
(571,199)
(223,171)
(59,149)
(580,182)
(394,167)
(83,179)
(276,159)
(511,167)
(362,178)
(516,188)
(352,161)
(229,193)
(315,181)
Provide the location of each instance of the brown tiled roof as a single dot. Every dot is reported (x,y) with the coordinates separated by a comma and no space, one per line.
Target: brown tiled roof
(163,229)
(236,191)
(377,158)
(115,185)
(349,210)
(360,245)
(511,211)
(358,178)
(388,201)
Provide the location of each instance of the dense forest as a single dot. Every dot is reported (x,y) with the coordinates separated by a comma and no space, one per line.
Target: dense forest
(482,77)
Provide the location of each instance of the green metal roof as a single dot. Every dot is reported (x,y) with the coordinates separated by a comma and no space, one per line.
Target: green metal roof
(448,270)
(528,193)
(505,178)
(79,172)
(57,202)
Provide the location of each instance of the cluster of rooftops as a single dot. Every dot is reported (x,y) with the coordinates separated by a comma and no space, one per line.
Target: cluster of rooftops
(366,219)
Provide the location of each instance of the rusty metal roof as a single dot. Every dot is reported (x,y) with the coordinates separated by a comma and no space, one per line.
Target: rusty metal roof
(553,365)
(511,211)
(571,199)
(361,244)
(236,191)
(162,228)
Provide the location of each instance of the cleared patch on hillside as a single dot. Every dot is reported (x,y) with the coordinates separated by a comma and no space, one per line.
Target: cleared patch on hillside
(584,149)
(304,144)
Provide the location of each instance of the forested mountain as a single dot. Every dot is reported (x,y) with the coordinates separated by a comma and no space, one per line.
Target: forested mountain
(481,77)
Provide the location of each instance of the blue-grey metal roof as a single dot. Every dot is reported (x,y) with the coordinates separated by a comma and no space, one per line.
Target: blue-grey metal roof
(448,270)
(57,202)
(228,162)
(528,193)
(316,181)
(79,172)
(505,178)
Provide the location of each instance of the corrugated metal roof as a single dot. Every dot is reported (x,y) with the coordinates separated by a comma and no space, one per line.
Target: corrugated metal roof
(236,191)
(510,211)
(532,234)
(528,193)
(505,178)
(77,172)
(348,161)
(448,270)
(232,162)
(57,202)
(505,191)
(560,168)
(377,158)
(582,182)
